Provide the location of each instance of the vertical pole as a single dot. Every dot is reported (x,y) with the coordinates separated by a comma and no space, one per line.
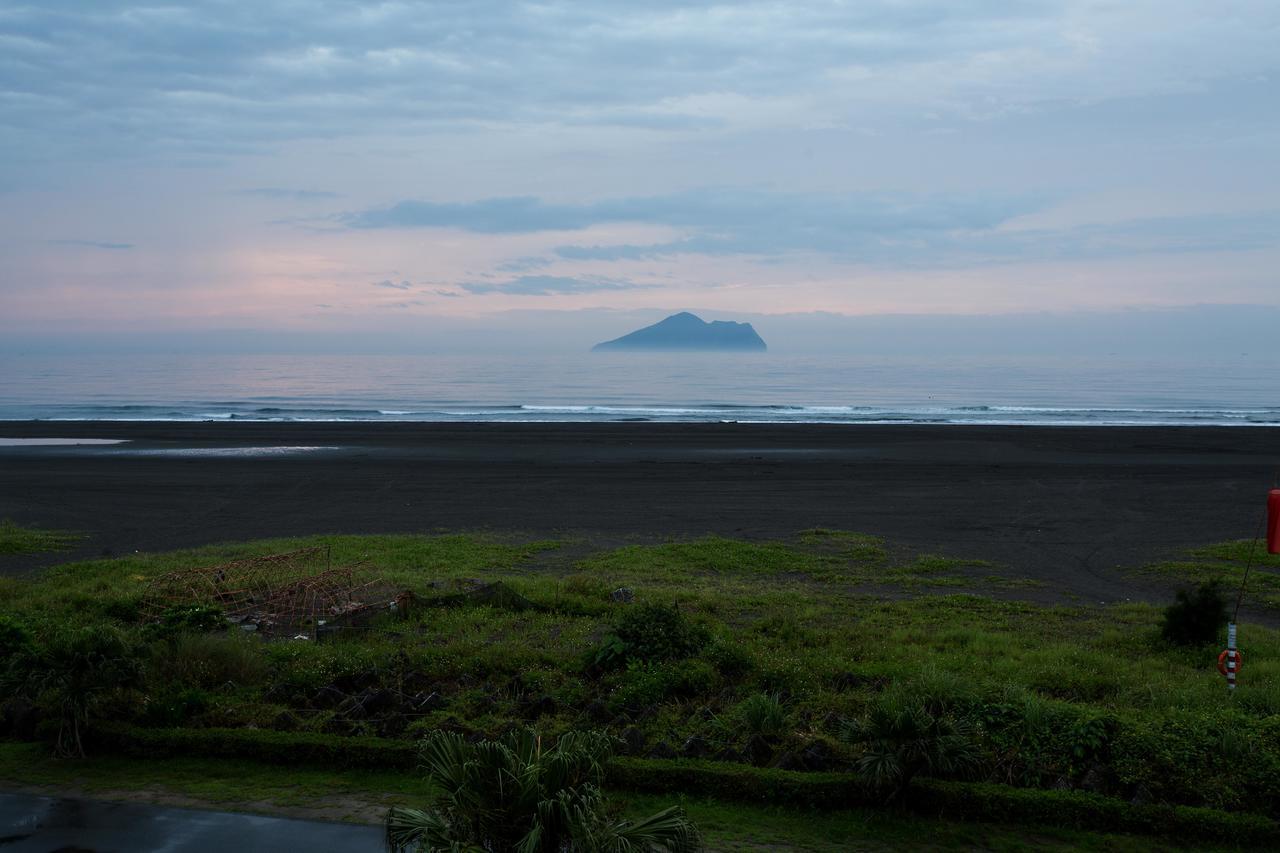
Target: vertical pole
(1231,655)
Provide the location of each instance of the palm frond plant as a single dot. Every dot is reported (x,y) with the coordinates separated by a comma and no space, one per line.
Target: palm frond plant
(901,741)
(72,672)
(513,794)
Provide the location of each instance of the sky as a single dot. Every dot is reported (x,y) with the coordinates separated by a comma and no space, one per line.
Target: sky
(179,172)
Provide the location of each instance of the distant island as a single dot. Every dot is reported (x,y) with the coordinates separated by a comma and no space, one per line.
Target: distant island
(685,331)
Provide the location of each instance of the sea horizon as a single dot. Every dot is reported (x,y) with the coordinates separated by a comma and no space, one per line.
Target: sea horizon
(648,387)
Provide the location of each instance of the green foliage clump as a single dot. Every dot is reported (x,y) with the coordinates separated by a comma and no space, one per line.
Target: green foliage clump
(72,672)
(903,740)
(514,794)
(209,661)
(15,639)
(1196,617)
(648,683)
(730,659)
(1222,760)
(657,632)
(762,714)
(187,619)
(174,707)
(651,633)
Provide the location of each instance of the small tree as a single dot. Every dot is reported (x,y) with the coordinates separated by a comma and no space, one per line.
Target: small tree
(511,794)
(1196,616)
(72,671)
(903,741)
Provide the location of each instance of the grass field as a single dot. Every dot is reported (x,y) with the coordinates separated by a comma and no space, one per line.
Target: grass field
(780,643)
(16,539)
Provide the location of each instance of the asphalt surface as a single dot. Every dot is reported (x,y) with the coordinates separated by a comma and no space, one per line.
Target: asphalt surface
(35,824)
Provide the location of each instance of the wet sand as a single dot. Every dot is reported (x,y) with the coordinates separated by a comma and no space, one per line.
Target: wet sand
(1068,505)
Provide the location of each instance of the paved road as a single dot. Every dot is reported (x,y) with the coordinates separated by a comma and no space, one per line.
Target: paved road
(35,824)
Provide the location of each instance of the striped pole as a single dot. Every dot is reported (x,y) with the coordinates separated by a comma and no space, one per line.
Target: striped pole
(1232,663)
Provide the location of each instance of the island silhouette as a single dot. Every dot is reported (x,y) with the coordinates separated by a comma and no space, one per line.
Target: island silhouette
(685,331)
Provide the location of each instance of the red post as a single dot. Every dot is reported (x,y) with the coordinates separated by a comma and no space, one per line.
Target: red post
(1273,522)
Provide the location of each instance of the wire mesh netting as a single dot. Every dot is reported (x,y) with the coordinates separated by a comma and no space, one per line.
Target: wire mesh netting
(291,593)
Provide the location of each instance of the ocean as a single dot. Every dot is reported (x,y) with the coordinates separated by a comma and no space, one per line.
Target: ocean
(765,388)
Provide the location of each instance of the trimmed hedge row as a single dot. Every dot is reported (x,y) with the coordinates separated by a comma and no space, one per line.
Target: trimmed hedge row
(259,744)
(1082,810)
(739,782)
(951,800)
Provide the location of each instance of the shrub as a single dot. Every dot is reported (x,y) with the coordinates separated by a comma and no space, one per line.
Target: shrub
(655,632)
(73,671)
(15,640)
(650,633)
(1196,617)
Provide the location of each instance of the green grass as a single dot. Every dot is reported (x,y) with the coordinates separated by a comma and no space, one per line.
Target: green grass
(15,539)
(363,796)
(811,620)
(1228,562)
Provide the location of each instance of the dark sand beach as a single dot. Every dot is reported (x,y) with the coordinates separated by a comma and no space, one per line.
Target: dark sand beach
(1067,505)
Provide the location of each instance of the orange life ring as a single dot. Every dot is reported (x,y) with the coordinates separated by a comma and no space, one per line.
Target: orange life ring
(1222,661)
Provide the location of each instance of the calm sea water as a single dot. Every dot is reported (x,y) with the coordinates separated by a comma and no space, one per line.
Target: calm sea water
(764,387)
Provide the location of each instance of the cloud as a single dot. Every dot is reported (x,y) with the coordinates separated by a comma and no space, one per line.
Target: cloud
(393,285)
(94,244)
(290,194)
(897,229)
(524,264)
(918,244)
(725,221)
(112,76)
(546,285)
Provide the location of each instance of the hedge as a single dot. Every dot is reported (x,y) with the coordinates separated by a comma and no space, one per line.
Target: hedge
(964,801)
(264,745)
(1082,810)
(739,782)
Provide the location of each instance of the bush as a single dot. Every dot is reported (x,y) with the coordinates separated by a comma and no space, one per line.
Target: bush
(1196,617)
(1195,759)
(650,633)
(15,640)
(73,672)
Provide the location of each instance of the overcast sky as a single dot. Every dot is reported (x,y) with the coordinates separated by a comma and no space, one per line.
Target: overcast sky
(315,166)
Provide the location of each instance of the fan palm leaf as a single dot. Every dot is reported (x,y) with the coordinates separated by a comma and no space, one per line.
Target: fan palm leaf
(515,795)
